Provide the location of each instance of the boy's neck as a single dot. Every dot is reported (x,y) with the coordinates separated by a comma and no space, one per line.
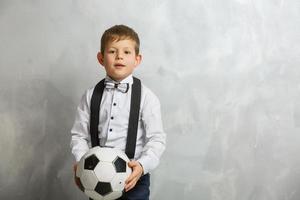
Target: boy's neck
(120,79)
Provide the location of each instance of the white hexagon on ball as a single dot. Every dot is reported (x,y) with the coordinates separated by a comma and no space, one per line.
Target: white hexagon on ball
(105,171)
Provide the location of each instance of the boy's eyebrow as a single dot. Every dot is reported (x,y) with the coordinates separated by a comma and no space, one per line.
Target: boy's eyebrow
(116,47)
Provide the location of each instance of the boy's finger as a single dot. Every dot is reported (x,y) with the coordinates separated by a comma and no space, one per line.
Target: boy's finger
(131,182)
(78,183)
(130,178)
(133,175)
(130,185)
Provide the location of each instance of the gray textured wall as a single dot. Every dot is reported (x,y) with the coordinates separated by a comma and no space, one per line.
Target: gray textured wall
(227,74)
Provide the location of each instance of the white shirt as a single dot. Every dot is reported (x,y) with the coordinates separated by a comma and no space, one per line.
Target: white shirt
(113,125)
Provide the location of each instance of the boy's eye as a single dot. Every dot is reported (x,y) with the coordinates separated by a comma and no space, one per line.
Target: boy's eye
(127,52)
(111,51)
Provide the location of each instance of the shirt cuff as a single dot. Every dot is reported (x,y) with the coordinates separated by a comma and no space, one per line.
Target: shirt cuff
(78,155)
(147,164)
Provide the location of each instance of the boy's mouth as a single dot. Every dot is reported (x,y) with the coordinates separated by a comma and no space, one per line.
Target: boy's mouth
(119,65)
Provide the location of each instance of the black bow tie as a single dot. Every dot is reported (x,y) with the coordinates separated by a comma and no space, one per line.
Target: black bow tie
(123,87)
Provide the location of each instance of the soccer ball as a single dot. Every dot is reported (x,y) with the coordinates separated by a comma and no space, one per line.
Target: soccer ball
(102,173)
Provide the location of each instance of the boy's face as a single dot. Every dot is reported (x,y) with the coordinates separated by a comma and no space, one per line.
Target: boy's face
(119,59)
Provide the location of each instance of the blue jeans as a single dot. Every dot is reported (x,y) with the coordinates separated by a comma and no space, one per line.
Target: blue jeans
(141,190)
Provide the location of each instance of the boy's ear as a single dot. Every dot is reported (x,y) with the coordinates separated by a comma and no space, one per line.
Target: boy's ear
(138,59)
(100,58)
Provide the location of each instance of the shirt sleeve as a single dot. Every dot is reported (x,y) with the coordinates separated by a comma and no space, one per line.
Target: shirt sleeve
(80,130)
(155,138)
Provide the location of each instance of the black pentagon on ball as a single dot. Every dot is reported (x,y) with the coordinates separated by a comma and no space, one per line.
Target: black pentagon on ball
(103,188)
(91,162)
(120,165)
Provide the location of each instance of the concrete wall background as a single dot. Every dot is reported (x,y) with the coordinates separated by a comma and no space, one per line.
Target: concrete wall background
(227,74)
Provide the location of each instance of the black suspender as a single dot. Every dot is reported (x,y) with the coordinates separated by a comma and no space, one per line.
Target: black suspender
(95,108)
(133,116)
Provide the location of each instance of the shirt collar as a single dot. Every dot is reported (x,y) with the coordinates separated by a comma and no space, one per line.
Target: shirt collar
(128,79)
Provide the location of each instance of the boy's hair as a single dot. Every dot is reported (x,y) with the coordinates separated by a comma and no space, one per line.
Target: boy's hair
(117,33)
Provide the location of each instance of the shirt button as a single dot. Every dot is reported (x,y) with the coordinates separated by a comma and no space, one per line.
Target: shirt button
(114,104)
(110,130)
(111,117)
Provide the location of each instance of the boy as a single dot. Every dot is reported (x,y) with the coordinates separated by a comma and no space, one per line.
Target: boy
(120,56)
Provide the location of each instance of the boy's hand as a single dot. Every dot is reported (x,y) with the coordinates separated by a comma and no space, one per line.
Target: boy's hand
(76,179)
(137,172)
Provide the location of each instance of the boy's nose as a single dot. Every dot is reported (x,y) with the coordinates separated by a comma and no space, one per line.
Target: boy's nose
(119,56)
